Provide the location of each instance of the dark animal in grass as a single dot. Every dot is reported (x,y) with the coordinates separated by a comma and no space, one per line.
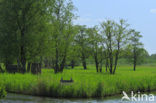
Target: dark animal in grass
(66,81)
(36,68)
(11,68)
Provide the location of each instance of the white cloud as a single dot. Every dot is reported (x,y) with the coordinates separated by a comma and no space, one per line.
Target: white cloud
(153,11)
(99,20)
(83,21)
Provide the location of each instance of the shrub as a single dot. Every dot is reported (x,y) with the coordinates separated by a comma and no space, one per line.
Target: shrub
(2,92)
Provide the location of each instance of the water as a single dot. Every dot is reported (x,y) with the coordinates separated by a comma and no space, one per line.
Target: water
(17,98)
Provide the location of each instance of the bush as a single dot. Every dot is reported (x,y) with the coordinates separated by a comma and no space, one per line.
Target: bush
(2,92)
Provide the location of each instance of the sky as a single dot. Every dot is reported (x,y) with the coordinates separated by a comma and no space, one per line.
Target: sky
(140,14)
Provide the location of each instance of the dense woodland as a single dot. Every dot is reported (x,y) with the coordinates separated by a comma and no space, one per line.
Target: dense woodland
(42,33)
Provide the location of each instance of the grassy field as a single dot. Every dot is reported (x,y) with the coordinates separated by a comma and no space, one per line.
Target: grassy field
(87,83)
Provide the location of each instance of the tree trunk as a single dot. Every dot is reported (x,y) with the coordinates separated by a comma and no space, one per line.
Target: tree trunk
(46,63)
(96,62)
(101,66)
(22,52)
(111,63)
(116,61)
(84,62)
(101,60)
(84,65)
(116,57)
(23,60)
(56,69)
(135,59)
(72,64)
(6,61)
(29,67)
(134,67)
(18,64)
(62,63)
(97,67)
(41,59)
(100,69)
(106,64)
(110,54)
(39,68)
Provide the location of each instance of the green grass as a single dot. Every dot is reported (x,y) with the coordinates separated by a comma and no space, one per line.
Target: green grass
(87,83)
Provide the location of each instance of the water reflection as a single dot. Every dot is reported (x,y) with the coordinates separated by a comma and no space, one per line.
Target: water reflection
(16,98)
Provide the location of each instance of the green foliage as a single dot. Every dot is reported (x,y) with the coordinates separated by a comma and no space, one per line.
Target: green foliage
(61,33)
(2,92)
(23,31)
(82,40)
(43,30)
(143,56)
(96,47)
(135,50)
(115,37)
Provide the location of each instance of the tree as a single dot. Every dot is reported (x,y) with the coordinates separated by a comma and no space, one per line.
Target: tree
(81,40)
(61,32)
(73,55)
(121,37)
(22,23)
(115,37)
(95,40)
(136,47)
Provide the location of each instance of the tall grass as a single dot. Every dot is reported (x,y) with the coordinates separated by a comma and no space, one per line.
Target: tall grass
(87,83)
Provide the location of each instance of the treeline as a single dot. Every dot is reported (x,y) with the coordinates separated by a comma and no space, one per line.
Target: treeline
(42,31)
(150,59)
